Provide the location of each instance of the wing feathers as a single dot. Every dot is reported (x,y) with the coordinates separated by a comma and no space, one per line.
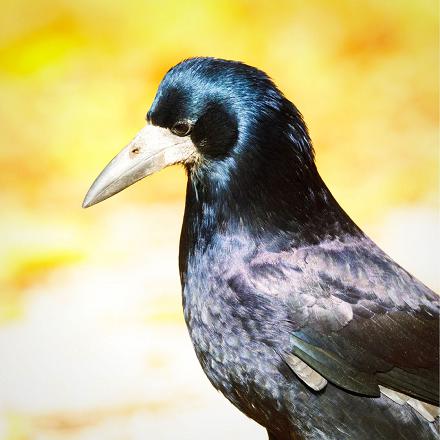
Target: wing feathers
(335,369)
(308,375)
(429,412)
(422,385)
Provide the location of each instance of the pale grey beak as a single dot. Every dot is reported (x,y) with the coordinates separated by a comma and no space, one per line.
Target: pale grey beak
(152,149)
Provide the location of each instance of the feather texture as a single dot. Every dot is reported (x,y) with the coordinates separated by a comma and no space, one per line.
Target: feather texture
(295,315)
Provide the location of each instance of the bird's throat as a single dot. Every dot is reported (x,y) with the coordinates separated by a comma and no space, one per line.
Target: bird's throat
(267,205)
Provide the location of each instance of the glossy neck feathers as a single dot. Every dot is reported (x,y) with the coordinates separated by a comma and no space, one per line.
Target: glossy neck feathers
(267,187)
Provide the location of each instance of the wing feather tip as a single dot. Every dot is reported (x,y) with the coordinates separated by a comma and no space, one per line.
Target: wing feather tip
(307,374)
(427,411)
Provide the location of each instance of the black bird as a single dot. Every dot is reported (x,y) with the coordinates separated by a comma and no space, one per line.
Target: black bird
(296,316)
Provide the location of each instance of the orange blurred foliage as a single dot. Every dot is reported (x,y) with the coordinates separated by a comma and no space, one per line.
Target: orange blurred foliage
(76,79)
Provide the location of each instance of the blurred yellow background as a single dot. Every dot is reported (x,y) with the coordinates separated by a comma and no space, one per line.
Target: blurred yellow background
(92,341)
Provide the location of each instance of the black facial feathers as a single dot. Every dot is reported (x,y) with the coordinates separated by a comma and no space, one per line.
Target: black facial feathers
(231,105)
(216,131)
(256,162)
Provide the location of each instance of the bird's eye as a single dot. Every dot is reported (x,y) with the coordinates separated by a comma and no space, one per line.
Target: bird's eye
(181,128)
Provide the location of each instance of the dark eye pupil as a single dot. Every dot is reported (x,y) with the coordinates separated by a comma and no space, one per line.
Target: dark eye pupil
(181,128)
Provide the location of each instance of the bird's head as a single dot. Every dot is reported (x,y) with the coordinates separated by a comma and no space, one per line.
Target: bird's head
(221,119)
